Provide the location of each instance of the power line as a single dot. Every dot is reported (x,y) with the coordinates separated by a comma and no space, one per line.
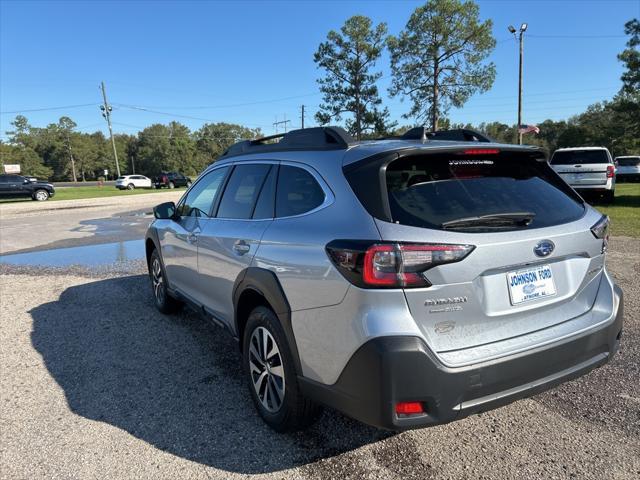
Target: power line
(576,36)
(175,115)
(44,109)
(231,105)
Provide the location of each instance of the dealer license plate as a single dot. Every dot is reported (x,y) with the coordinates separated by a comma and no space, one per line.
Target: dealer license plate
(531,284)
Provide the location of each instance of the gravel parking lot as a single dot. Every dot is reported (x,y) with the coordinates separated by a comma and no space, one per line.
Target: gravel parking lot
(96,384)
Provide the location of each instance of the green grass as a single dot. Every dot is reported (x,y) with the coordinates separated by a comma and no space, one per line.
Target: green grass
(625,210)
(74,193)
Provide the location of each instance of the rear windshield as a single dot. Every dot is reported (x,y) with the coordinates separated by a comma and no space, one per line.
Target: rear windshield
(629,162)
(575,157)
(436,191)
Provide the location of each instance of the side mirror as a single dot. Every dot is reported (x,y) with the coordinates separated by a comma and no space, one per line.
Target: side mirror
(165,211)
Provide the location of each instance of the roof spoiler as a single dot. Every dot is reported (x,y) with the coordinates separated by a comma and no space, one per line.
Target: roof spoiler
(317,138)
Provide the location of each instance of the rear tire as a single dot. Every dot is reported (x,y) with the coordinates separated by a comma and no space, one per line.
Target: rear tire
(609,196)
(131,186)
(270,371)
(171,185)
(162,299)
(40,195)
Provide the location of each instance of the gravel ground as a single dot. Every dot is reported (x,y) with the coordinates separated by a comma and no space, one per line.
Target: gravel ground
(96,384)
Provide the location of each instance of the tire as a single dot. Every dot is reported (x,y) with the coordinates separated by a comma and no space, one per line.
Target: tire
(274,388)
(40,195)
(161,297)
(131,186)
(188,184)
(609,196)
(172,185)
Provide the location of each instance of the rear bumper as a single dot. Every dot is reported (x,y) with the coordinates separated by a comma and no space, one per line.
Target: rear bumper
(387,370)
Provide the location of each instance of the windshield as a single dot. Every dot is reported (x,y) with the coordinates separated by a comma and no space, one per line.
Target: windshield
(477,194)
(576,157)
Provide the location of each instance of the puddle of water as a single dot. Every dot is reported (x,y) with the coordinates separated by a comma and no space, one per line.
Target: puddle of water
(88,255)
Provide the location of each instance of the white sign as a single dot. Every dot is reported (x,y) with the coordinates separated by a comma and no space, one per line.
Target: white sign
(12,168)
(106,172)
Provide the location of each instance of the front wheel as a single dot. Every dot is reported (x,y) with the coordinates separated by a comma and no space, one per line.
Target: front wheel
(268,364)
(172,185)
(131,186)
(188,184)
(163,300)
(41,195)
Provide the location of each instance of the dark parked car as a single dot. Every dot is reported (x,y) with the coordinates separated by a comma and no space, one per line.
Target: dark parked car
(172,180)
(14,186)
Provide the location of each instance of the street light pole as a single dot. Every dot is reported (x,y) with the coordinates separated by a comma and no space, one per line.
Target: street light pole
(523,28)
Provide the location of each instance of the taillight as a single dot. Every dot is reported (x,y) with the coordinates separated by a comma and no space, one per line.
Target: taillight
(601,231)
(611,171)
(391,265)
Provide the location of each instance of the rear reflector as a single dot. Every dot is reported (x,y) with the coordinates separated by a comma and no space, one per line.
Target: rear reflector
(409,408)
(481,151)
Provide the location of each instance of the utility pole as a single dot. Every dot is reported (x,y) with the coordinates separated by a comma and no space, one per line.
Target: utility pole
(106,113)
(281,122)
(73,162)
(523,28)
(302,116)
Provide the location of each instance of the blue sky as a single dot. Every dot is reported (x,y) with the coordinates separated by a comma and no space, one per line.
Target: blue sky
(250,61)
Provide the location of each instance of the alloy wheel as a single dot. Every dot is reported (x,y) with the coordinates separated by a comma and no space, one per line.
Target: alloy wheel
(266,369)
(158,281)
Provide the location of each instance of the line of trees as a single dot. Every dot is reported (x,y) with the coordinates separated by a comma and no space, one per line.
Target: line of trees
(438,60)
(56,150)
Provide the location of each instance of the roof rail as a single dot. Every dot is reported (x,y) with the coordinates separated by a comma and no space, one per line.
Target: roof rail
(317,138)
(458,134)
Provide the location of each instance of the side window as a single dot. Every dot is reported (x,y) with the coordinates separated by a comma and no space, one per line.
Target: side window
(200,198)
(298,192)
(265,206)
(4,179)
(242,191)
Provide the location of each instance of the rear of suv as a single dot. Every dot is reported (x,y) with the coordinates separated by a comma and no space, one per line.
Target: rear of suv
(405,282)
(628,168)
(587,169)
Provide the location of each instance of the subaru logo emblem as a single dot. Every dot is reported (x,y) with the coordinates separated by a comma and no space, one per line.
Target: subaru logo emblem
(544,248)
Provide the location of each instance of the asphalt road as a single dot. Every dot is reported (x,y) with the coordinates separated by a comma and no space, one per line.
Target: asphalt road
(95,383)
(29,226)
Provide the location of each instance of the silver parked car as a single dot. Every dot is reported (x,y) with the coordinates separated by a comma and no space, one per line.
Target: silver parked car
(587,169)
(628,168)
(406,282)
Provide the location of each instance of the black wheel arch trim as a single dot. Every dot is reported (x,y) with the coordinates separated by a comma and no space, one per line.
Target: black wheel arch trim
(266,283)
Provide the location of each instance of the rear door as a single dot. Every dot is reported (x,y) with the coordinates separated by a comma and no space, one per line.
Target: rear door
(582,168)
(508,206)
(229,241)
(180,237)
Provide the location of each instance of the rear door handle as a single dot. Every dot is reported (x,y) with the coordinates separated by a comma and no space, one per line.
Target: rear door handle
(241,247)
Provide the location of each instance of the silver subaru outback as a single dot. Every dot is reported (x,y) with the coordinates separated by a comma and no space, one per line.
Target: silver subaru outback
(406,282)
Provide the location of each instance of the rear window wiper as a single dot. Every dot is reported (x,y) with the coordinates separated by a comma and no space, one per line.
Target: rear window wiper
(519,219)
